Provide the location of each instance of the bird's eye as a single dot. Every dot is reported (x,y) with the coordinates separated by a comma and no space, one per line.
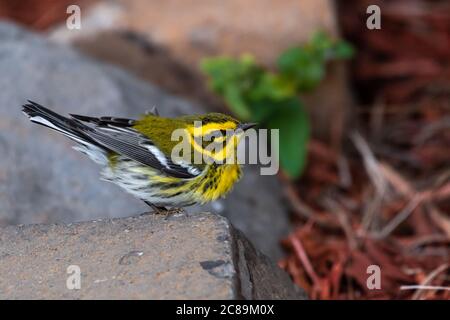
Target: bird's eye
(213,135)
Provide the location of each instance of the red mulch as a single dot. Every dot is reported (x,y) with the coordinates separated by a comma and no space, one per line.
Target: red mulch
(408,57)
(39,14)
(385,199)
(344,228)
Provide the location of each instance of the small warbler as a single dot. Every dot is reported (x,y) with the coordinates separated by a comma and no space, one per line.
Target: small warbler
(136,154)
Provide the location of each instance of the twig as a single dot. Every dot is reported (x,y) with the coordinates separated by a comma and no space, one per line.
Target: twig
(440,194)
(430,130)
(398,181)
(433,274)
(390,152)
(378,180)
(406,189)
(303,257)
(306,212)
(441,221)
(373,207)
(420,287)
(343,219)
(370,162)
(399,218)
(427,240)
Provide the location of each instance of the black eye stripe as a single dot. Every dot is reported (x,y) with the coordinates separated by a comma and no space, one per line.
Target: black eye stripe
(216,133)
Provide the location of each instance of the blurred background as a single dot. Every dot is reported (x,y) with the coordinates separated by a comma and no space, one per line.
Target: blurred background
(364,119)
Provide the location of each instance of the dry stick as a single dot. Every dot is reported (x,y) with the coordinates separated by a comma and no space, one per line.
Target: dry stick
(370,162)
(433,274)
(399,218)
(430,130)
(399,182)
(443,176)
(441,221)
(424,285)
(418,286)
(375,175)
(370,211)
(343,219)
(301,254)
(304,211)
(405,187)
(426,240)
(439,194)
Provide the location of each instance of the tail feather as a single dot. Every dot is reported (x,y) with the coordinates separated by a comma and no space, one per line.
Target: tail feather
(71,128)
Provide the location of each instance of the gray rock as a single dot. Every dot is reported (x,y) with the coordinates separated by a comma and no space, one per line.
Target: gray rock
(198,256)
(42,180)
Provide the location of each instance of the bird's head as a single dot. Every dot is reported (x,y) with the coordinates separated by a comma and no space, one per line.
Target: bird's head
(215,135)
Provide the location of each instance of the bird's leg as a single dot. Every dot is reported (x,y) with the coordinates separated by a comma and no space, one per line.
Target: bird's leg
(164,210)
(177,210)
(157,209)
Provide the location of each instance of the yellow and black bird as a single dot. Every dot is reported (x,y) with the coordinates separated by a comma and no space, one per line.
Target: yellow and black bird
(136,154)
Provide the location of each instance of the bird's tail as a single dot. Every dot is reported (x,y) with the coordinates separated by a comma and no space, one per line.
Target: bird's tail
(69,127)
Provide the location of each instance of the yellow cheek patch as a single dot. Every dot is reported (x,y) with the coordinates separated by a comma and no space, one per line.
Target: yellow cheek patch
(219,156)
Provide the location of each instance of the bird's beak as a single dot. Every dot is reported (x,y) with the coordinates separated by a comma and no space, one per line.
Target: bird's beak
(245,126)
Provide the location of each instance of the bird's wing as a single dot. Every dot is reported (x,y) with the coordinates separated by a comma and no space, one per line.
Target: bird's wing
(118,135)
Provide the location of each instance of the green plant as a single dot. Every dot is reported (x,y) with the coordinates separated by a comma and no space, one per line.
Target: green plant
(256,94)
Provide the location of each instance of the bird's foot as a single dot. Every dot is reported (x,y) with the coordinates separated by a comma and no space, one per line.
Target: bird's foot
(163,210)
(176,210)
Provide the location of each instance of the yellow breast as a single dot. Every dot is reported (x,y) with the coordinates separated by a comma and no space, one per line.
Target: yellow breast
(217,181)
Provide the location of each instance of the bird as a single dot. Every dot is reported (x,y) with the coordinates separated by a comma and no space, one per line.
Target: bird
(135,154)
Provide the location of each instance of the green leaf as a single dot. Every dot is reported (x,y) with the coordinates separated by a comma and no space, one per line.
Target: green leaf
(235,101)
(289,60)
(310,75)
(263,109)
(320,43)
(304,67)
(292,121)
(234,79)
(273,87)
(343,50)
(223,71)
